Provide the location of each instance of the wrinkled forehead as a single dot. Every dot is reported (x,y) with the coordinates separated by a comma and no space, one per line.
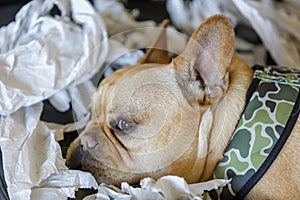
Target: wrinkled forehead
(144,74)
(139,83)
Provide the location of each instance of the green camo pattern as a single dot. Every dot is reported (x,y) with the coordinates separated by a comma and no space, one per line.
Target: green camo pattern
(258,129)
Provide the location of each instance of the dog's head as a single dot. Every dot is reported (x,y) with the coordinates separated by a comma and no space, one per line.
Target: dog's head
(151,119)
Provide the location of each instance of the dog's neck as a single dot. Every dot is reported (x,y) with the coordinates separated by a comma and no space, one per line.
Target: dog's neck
(226,114)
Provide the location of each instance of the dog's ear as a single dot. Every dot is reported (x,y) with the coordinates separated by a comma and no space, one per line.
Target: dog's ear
(158,52)
(202,68)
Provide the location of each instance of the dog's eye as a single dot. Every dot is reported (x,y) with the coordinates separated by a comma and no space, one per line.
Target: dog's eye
(123,125)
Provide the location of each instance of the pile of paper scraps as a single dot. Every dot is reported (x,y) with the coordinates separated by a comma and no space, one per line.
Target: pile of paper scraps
(276,22)
(60,58)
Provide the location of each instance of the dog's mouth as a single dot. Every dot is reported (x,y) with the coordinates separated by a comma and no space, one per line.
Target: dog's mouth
(88,151)
(85,161)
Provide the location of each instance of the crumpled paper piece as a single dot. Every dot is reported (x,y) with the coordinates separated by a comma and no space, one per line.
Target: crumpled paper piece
(167,187)
(31,154)
(39,50)
(117,18)
(278,28)
(62,184)
(276,22)
(131,34)
(189,15)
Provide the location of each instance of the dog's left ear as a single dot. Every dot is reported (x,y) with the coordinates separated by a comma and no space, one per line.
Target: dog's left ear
(202,68)
(158,53)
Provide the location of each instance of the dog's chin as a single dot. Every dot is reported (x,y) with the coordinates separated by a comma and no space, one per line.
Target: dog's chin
(111,176)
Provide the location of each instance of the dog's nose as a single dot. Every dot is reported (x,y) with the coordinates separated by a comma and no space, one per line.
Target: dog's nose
(88,141)
(79,147)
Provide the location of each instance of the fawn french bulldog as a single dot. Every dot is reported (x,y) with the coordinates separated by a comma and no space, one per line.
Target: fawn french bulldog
(159,117)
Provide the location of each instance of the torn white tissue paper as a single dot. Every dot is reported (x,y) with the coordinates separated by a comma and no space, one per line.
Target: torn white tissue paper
(30,153)
(79,96)
(189,15)
(61,101)
(62,183)
(32,158)
(167,187)
(117,18)
(48,52)
(276,22)
(273,27)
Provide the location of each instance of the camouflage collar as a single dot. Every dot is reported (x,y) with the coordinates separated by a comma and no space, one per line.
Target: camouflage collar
(272,108)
